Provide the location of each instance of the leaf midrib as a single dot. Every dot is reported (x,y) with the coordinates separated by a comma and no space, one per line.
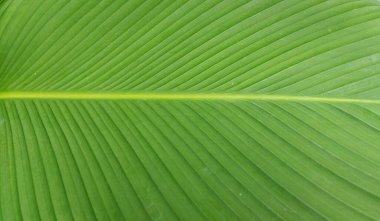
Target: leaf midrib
(176,97)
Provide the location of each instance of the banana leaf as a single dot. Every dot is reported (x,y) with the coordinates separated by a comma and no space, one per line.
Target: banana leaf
(189,110)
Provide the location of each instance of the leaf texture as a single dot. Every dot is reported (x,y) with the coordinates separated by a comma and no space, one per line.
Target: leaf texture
(189,110)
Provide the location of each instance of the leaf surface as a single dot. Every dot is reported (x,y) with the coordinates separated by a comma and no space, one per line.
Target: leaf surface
(189,110)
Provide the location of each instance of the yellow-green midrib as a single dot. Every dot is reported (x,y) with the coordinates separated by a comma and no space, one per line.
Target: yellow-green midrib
(177,96)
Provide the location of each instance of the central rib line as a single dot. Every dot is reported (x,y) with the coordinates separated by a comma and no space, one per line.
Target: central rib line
(175,97)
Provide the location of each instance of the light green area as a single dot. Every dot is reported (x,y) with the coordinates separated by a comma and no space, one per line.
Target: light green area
(189,110)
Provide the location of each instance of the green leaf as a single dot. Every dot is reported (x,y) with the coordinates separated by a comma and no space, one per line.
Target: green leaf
(189,110)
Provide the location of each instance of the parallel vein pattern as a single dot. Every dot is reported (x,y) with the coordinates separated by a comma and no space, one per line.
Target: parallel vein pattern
(189,110)
(328,48)
(248,158)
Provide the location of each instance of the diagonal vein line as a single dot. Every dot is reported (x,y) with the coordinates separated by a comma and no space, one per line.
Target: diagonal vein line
(176,96)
